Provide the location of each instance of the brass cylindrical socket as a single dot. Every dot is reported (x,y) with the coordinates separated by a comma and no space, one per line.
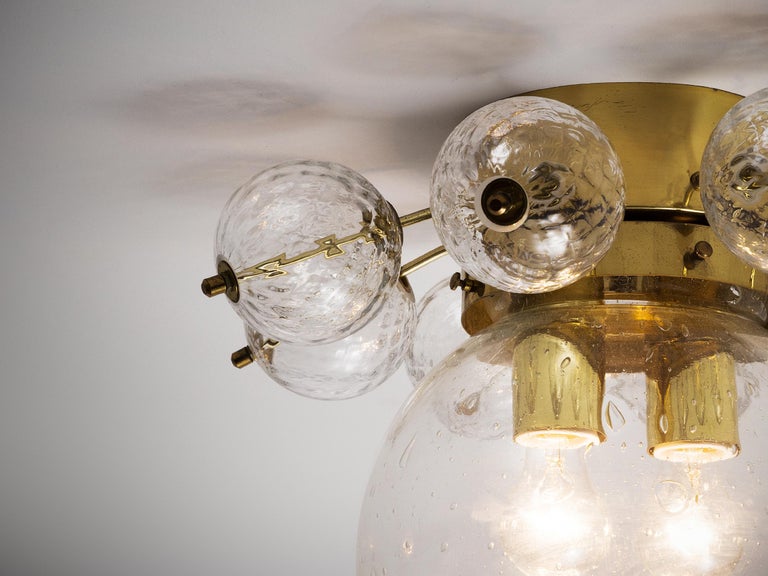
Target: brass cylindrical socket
(225,282)
(214,286)
(558,394)
(692,403)
(241,358)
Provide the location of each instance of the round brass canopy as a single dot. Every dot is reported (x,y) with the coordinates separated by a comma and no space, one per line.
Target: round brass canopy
(659,132)
(665,251)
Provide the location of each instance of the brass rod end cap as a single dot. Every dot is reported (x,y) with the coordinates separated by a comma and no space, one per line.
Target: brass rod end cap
(241,358)
(214,286)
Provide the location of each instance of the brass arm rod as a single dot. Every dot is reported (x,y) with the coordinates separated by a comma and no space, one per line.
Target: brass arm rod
(415,217)
(421,261)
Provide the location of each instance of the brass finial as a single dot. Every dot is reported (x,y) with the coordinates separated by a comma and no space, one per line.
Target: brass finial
(225,282)
(241,358)
(214,286)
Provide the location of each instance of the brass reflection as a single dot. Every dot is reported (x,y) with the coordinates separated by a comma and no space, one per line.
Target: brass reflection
(329,246)
(692,404)
(558,393)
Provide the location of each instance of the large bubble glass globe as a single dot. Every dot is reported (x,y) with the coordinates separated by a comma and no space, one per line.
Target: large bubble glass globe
(734,179)
(313,245)
(453,493)
(527,194)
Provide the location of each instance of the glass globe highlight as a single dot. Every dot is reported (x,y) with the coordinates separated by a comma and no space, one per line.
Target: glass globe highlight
(734,179)
(527,194)
(454,493)
(349,367)
(313,245)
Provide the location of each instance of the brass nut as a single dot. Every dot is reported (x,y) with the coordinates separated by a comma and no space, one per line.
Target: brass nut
(466,284)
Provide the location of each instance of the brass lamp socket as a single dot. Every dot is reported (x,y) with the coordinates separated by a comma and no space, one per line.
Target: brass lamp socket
(692,404)
(558,394)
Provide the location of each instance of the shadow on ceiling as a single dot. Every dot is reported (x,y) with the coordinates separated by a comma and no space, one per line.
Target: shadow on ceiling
(218,104)
(435,44)
(730,42)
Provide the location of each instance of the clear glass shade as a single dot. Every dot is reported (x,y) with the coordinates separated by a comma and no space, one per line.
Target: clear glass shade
(349,367)
(527,194)
(580,440)
(734,179)
(313,246)
(438,330)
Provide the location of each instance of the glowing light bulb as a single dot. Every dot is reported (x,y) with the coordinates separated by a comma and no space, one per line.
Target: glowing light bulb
(695,528)
(555,525)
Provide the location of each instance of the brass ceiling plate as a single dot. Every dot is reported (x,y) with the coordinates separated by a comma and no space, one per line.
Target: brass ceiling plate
(659,132)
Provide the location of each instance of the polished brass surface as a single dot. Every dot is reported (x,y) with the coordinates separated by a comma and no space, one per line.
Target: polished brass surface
(214,286)
(504,204)
(659,132)
(466,284)
(558,393)
(663,214)
(650,262)
(329,246)
(701,251)
(691,403)
(245,356)
(421,261)
(660,248)
(415,217)
(225,282)
(664,251)
(242,358)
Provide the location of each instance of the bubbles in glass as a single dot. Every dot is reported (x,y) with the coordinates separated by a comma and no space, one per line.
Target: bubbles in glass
(734,179)
(349,367)
(438,330)
(313,245)
(527,194)
(452,481)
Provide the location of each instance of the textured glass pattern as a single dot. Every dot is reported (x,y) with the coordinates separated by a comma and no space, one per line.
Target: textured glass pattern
(348,367)
(438,330)
(453,494)
(570,174)
(314,245)
(734,179)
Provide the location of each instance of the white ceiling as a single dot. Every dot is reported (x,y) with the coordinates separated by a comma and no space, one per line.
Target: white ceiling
(128,444)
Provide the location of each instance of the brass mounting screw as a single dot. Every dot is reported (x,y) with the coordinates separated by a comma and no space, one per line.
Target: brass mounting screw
(701,251)
(466,284)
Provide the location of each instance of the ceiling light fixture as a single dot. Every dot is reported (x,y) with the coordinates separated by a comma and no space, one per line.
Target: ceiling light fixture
(608,413)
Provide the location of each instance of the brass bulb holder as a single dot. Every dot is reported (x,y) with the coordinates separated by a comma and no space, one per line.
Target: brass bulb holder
(691,398)
(558,394)
(664,255)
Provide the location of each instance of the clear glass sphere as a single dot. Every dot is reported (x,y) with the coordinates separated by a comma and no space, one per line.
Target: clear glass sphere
(438,330)
(349,367)
(734,179)
(454,493)
(527,194)
(313,245)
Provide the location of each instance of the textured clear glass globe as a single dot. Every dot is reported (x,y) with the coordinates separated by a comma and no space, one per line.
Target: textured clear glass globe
(349,367)
(438,330)
(567,185)
(734,179)
(453,493)
(314,245)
